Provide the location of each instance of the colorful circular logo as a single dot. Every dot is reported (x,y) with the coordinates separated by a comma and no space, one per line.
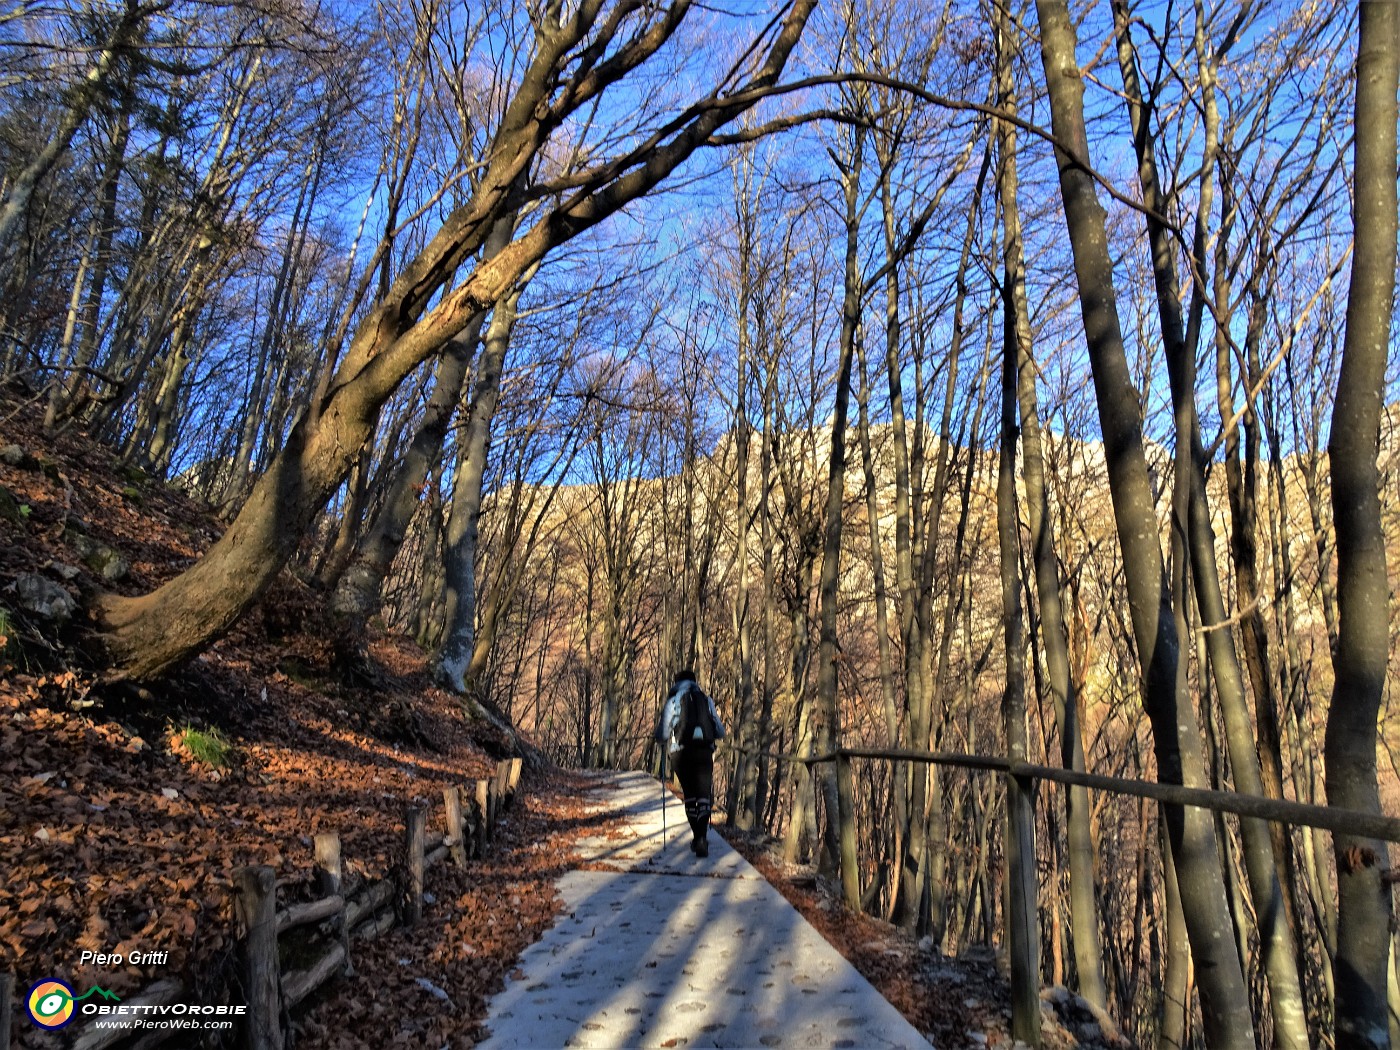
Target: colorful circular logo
(51,1004)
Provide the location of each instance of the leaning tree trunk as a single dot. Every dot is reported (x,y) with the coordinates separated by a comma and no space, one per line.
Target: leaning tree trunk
(357,592)
(1176,736)
(164,427)
(77,107)
(1363,594)
(153,633)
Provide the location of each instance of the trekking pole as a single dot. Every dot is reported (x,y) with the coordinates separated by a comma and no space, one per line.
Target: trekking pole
(663,796)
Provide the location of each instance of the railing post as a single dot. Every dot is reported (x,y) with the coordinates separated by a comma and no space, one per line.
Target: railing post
(262,978)
(452,798)
(502,783)
(846,804)
(415,834)
(483,827)
(330,878)
(1023,928)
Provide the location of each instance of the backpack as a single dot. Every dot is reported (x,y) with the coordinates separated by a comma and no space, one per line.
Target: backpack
(696,725)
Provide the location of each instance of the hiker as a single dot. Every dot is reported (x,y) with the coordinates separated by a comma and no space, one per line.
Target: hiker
(688,728)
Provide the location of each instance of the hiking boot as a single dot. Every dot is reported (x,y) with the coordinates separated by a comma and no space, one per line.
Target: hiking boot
(701,847)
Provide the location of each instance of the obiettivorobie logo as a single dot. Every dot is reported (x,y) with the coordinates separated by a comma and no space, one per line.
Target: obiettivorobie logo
(51,1003)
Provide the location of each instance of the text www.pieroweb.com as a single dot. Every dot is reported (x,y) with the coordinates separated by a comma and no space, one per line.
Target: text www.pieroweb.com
(173,1017)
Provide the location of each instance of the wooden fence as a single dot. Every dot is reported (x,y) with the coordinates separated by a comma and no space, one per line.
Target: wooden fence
(1023,942)
(364,912)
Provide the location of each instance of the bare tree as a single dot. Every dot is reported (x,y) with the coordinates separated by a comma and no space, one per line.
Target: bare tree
(1363,596)
(1054,639)
(407,328)
(117,40)
(1224,1002)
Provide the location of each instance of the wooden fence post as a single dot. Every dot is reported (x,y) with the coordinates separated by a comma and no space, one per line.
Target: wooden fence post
(452,799)
(7,998)
(262,978)
(846,804)
(1023,929)
(471,821)
(483,828)
(330,881)
(502,782)
(415,836)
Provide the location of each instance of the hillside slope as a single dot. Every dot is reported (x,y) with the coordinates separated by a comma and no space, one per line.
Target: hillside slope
(124,812)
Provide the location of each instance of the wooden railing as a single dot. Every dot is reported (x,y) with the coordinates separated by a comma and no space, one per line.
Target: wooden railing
(1023,944)
(373,908)
(468,825)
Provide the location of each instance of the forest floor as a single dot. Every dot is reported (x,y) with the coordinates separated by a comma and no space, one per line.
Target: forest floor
(960,1003)
(125,811)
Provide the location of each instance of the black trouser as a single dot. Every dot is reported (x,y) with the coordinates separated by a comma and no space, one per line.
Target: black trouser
(695,769)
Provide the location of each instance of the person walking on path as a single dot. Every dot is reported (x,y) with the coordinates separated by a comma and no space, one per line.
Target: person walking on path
(688,728)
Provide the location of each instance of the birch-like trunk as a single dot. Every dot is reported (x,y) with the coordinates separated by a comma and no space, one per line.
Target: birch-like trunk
(357,592)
